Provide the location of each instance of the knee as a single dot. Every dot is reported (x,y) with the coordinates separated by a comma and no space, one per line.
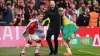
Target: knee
(63,41)
(67,41)
(38,41)
(29,42)
(27,45)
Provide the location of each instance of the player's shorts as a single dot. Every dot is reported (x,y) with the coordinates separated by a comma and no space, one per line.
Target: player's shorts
(71,37)
(33,36)
(42,36)
(68,30)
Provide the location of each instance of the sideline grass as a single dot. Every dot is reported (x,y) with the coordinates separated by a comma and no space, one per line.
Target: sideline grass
(13,51)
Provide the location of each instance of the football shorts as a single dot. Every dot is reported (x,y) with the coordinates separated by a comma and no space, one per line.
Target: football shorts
(33,36)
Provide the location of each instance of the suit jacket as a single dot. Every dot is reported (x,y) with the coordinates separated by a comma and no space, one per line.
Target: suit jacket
(54,24)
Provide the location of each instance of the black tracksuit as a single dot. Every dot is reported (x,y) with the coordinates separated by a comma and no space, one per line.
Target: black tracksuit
(54,28)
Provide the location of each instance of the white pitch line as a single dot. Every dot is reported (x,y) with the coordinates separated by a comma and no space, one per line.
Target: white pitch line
(89,52)
(46,49)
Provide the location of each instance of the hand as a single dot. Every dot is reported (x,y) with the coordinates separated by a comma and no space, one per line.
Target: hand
(11,23)
(19,24)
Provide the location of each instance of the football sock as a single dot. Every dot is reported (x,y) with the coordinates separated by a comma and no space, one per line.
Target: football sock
(68,49)
(24,49)
(37,47)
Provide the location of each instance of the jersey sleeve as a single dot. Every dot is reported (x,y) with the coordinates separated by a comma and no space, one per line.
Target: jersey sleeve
(30,25)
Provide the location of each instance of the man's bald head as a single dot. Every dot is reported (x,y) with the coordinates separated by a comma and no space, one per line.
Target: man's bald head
(52,4)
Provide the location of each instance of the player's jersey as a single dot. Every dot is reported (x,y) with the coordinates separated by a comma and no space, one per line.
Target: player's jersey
(38,31)
(32,27)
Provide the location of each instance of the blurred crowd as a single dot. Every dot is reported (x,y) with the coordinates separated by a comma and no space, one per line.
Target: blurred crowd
(21,12)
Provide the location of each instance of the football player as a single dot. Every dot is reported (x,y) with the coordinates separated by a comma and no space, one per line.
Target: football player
(68,30)
(32,33)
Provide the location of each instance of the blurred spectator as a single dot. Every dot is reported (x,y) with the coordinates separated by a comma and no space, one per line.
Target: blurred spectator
(13,11)
(83,18)
(76,4)
(90,5)
(8,14)
(20,15)
(17,18)
(16,21)
(37,3)
(67,4)
(83,9)
(26,10)
(42,8)
(95,4)
(25,2)
(81,1)
(94,17)
(73,2)
(29,11)
(1,11)
(73,12)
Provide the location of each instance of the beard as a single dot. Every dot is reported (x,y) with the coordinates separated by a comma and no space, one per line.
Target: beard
(52,8)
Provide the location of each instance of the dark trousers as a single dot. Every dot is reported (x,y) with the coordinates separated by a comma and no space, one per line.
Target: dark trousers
(48,39)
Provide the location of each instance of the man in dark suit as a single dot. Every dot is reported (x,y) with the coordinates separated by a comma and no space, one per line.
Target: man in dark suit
(54,27)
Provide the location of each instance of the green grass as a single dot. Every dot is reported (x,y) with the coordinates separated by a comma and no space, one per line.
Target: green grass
(92,51)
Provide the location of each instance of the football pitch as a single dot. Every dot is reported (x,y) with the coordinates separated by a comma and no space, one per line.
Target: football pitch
(77,51)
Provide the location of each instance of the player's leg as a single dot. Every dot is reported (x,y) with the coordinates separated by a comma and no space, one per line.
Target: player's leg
(29,42)
(42,36)
(38,45)
(67,46)
(68,42)
(72,37)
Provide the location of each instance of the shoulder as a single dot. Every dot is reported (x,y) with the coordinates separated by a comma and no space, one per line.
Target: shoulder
(34,21)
